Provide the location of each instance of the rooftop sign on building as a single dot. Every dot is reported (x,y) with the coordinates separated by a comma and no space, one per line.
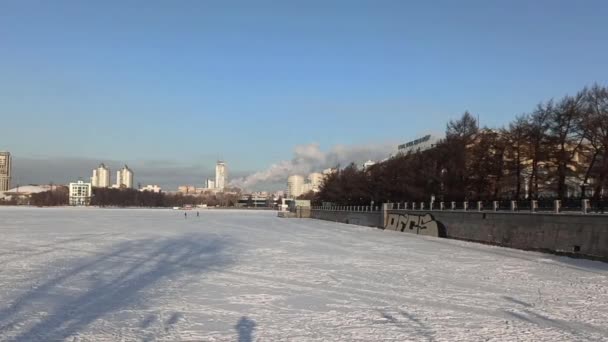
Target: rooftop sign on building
(424,143)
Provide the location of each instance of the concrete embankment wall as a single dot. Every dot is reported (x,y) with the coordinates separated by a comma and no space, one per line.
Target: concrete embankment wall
(370,219)
(582,235)
(299,212)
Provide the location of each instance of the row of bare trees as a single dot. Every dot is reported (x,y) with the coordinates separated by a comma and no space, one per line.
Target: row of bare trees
(558,150)
(134,198)
(128,198)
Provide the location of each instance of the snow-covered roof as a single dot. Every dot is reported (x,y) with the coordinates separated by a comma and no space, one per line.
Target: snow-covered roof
(28,189)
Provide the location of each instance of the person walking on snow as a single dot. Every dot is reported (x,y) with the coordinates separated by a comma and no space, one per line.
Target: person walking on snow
(197,214)
(186,216)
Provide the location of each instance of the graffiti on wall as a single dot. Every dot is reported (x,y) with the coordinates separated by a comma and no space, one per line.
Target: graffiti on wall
(417,224)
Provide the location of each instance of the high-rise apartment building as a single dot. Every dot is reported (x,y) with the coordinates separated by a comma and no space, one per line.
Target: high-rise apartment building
(316,180)
(101,177)
(5,171)
(210,184)
(221,174)
(124,178)
(295,186)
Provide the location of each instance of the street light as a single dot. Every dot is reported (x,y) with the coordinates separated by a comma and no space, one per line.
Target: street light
(584,186)
(444,171)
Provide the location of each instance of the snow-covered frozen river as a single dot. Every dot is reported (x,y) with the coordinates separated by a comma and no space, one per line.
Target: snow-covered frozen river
(133,275)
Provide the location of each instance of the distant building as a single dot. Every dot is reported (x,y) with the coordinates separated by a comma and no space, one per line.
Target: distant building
(124,178)
(101,177)
(221,174)
(368,164)
(295,186)
(421,144)
(80,193)
(316,181)
(187,189)
(5,171)
(306,188)
(210,184)
(151,188)
(255,201)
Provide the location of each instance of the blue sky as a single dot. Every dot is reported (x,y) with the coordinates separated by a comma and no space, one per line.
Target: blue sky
(189,81)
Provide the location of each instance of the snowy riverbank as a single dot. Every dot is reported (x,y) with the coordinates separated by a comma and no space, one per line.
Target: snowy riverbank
(95,275)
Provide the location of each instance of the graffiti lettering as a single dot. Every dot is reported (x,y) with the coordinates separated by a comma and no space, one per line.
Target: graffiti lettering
(417,224)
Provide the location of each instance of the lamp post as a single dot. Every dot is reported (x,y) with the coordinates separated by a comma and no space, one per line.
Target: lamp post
(441,188)
(584,186)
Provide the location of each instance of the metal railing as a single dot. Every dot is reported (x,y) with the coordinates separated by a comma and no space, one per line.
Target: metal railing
(351,208)
(573,206)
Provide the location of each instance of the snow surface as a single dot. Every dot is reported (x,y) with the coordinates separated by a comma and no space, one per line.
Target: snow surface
(80,274)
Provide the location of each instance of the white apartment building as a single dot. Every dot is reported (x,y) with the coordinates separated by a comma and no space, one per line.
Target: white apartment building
(221,174)
(315,180)
(295,186)
(124,178)
(151,188)
(80,193)
(101,177)
(5,171)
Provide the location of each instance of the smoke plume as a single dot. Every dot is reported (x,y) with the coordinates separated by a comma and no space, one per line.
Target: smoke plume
(310,158)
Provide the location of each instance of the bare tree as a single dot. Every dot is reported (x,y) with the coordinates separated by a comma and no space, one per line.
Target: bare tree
(464,128)
(565,138)
(460,134)
(595,128)
(536,131)
(515,150)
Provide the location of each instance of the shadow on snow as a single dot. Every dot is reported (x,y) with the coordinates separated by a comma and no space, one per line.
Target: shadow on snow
(106,283)
(245,328)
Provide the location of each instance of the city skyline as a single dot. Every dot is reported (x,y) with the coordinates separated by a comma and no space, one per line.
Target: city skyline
(170,175)
(102,174)
(180,84)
